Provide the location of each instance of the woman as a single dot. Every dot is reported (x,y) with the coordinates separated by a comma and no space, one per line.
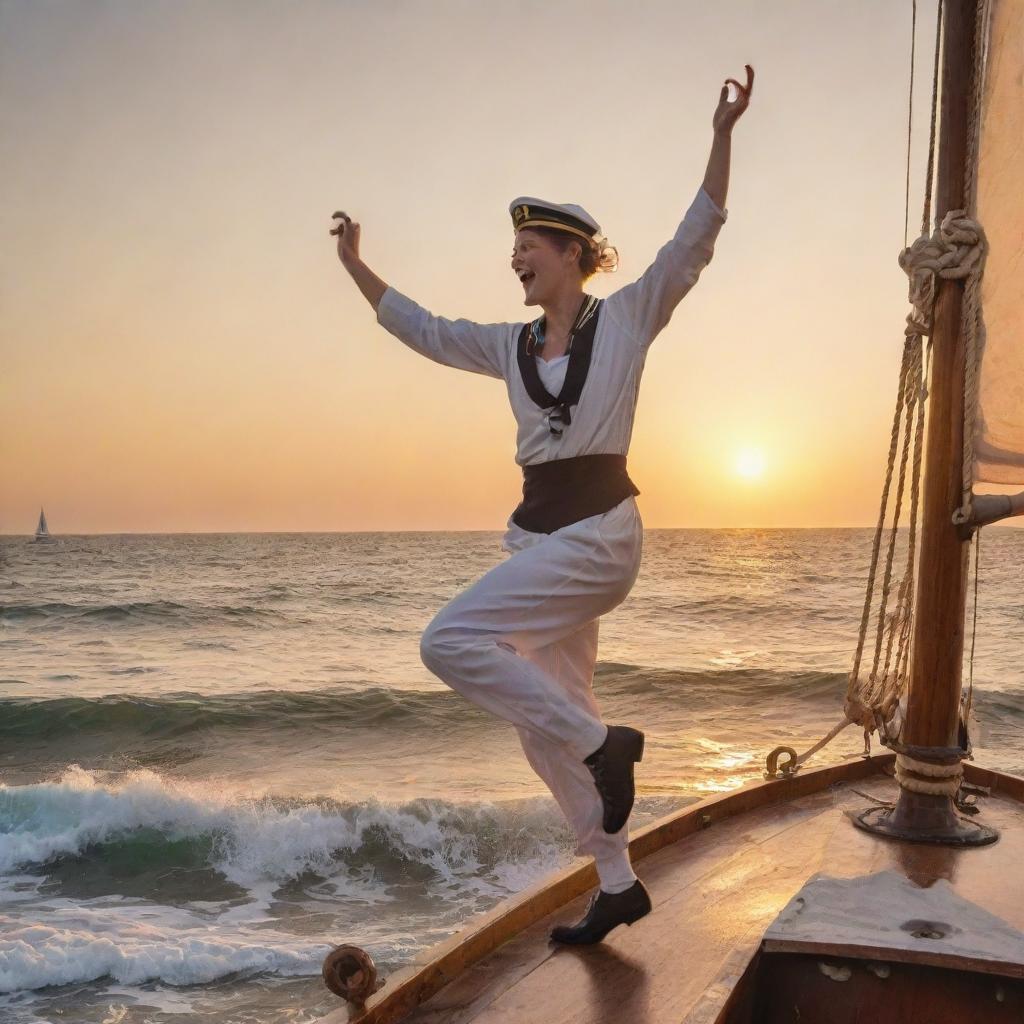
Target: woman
(522,641)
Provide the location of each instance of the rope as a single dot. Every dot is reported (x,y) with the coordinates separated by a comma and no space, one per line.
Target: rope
(872,704)
(969,700)
(902,611)
(956,250)
(914,330)
(880,526)
(910,120)
(929,177)
(903,657)
(928,776)
(774,771)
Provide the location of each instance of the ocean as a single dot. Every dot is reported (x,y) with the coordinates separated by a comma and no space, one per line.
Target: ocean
(220,755)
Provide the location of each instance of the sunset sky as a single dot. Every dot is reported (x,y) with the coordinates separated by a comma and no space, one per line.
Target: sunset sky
(182,350)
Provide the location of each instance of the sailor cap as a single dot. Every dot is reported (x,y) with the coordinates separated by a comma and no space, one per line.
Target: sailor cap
(530,212)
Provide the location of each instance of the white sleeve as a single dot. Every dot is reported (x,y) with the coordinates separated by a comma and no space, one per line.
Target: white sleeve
(479,348)
(644,307)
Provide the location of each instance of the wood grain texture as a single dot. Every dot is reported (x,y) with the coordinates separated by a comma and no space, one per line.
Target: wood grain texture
(793,988)
(937,651)
(439,965)
(715,889)
(681,963)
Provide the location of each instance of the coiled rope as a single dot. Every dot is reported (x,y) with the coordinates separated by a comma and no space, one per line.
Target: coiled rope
(939,779)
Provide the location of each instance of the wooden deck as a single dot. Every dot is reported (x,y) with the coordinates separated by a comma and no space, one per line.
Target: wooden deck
(716,886)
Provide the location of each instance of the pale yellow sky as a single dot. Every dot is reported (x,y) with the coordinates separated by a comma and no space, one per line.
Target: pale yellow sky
(182,351)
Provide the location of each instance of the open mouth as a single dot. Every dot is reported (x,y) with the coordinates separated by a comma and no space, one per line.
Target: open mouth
(527,278)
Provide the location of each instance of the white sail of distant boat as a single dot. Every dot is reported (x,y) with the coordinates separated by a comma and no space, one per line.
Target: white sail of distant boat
(42,530)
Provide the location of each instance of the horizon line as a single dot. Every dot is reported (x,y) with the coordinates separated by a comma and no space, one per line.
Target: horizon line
(212,533)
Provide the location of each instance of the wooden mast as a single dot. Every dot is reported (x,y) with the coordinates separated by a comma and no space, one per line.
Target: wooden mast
(938,642)
(933,708)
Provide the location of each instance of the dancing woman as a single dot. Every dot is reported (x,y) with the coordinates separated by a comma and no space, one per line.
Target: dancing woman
(521,642)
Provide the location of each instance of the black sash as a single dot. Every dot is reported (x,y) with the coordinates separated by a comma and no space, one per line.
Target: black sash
(564,491)
(581,344)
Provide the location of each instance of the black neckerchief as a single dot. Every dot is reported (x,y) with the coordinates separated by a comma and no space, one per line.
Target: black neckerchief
(581,344)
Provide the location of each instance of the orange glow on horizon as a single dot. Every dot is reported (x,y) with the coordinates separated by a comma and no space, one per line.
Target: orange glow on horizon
(186,353)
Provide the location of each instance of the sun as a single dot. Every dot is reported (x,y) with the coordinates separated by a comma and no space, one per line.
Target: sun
(750,464)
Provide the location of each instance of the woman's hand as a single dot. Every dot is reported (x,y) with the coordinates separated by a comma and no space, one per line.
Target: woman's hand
(727,114)
(347,231)
(716,177)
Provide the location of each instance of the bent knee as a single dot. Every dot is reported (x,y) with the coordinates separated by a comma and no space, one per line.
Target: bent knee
(431,653)
(440,643)
(443,643)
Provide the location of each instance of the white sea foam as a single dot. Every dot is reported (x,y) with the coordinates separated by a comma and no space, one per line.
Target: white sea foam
(255,840)
(137,944)
(473,850)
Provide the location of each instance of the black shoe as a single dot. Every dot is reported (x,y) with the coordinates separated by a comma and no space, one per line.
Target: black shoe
(612,767)
(606,911)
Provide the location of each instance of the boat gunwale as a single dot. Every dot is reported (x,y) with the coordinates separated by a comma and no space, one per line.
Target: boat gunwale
(896,955)
(434,967)
(438,965)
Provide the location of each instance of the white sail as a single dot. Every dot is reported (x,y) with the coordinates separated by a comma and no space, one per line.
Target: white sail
(999,427)
(42,530)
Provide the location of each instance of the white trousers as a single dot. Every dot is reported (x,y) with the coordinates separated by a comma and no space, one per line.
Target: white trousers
(521,643)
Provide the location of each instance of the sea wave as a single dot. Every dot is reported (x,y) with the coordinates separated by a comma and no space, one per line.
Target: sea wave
(142,819)
(149,612)
(731,685)
(131,948)
(26,721)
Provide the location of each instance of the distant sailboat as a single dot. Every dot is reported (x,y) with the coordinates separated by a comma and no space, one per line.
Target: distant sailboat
(42,531)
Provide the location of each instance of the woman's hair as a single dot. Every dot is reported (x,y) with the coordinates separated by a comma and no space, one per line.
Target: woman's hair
(596,256)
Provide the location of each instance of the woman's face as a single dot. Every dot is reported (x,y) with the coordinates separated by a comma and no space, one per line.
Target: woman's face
(542,268)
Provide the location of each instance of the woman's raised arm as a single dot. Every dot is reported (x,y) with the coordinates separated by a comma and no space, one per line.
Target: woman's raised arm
(716,177)
(644,307)
(463,344)
(347,230)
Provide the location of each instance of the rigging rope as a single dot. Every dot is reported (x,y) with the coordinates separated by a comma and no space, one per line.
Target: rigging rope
(910,121)
(873,704)
(955,250)
(929,177)
(969,700)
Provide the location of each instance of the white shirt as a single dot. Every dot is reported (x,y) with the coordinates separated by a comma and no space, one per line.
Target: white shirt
(552,373)
(629,321)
